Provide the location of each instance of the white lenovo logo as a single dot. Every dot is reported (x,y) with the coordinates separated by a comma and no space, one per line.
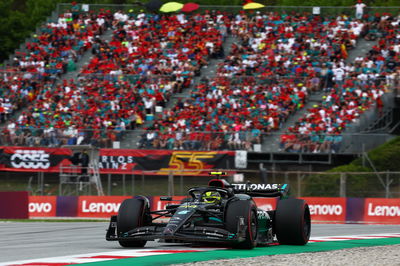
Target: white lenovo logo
(40,207)
(100,207)
(324,209)
(383,210)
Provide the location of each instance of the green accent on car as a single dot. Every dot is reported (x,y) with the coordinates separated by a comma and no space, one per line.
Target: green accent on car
(231,236)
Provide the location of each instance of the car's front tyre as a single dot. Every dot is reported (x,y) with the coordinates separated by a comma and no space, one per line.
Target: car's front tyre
(292,222)
(248,210)
(131,214)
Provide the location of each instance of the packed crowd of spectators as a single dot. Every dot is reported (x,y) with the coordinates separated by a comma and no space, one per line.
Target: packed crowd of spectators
(47,55)
(286,45)
(356,87)
(238,110)
(126,78)
(267,76)
(276,63)
(148,44)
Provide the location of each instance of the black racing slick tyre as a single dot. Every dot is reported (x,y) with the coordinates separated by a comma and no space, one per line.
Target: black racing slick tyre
(292,222)
(248,210)
(131,214)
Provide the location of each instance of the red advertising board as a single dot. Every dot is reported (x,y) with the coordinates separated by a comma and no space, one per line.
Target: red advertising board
(117,161)
(327,209)
(157,204)
(14,204)
(372,210)
(266,204)
(99,206)
(42,206)
(161,162)
(382,210)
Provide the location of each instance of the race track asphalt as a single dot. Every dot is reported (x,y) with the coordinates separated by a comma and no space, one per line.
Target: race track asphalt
(31,240)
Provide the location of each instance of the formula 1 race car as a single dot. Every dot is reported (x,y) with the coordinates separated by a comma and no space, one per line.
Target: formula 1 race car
(220,213)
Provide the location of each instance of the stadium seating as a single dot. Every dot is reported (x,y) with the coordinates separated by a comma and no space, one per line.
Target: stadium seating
(48,54)
(367,79)
(273,50)
(276,62)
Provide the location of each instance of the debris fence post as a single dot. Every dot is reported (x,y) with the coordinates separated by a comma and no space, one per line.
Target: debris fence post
(343,178)
(170,184)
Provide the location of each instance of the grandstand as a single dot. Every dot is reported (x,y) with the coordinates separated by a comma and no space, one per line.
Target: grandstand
(286,87)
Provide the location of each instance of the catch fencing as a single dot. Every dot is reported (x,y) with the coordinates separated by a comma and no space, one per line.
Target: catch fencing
(176,183)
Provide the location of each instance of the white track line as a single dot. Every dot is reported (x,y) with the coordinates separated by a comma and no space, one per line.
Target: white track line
(104,256)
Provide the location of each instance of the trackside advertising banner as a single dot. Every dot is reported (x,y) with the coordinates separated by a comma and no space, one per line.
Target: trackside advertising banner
(42,206)
(14,204)
(339,210)
(162,161)
(99,206)
(327,209)
(382,210)
(116,161)
(33,159)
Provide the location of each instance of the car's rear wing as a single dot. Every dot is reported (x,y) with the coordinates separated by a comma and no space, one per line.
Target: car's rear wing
(254,190)
(262,190)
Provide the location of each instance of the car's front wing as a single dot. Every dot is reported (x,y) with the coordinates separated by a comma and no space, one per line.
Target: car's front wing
(190,234)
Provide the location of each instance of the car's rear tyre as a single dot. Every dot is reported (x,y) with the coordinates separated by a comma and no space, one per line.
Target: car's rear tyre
(131,214)
(248,210)
(292,222)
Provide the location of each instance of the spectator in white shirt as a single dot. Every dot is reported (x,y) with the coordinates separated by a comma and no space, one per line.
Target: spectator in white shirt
(148,105)
(359,9)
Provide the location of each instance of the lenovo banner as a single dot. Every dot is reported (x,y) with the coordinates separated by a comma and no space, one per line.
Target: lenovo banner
(382,210)
(32,159)
(42,206)
(327,209)
(369,210)
(99,206)
(161,162)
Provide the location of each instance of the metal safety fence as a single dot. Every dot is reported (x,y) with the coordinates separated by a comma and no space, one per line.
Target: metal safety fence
(302,183)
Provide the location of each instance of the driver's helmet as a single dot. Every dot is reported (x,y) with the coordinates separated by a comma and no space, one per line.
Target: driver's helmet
(211,197)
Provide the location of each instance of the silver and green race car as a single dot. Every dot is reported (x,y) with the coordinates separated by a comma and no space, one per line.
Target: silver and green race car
(220,213)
